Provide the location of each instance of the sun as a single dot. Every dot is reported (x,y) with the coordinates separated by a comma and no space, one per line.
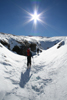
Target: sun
(36,17)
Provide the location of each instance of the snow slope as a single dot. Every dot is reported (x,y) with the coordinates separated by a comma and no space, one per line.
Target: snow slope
(46,80)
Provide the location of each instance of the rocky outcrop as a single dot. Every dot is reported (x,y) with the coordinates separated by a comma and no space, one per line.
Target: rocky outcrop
(20,47)
(60,44)
(5,43)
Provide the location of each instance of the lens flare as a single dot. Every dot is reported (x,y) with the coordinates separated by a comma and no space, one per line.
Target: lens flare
(35,17)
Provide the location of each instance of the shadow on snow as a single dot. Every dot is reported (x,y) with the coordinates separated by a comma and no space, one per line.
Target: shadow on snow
(25,77)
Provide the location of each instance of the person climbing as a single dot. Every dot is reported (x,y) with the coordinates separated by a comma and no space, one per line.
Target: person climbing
(37,50)
(29,55)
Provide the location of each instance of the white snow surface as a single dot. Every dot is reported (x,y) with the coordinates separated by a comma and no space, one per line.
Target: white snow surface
(45,80)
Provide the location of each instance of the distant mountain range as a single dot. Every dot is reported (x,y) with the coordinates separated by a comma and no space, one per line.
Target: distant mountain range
(19,44)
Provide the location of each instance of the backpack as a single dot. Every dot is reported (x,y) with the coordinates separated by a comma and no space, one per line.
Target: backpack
(28,52)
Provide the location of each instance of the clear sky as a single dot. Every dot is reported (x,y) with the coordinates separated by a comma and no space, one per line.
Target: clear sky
(17,17)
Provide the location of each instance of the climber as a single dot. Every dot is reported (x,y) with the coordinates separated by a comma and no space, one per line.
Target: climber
(29,55)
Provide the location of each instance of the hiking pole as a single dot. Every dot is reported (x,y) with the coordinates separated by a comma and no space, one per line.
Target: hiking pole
(33,60)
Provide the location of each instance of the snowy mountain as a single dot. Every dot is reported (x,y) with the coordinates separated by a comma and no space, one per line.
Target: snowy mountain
(19,44)
(47,78)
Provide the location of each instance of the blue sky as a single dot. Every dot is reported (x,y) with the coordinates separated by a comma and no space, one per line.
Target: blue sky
(13,17)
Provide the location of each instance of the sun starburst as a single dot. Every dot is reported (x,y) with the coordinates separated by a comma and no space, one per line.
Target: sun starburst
(35,17)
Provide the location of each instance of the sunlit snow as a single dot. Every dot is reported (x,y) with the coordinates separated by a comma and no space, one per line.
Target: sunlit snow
(47,78)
